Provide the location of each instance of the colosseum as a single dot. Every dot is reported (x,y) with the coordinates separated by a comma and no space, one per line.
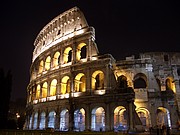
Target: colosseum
(74,88)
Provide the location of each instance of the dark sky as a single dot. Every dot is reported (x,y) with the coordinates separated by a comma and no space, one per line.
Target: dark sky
(122,28)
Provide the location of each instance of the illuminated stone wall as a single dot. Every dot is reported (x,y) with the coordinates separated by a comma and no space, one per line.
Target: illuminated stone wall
(72,87)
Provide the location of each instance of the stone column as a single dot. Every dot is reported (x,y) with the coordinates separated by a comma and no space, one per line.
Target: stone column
(107,118)
(38,119)
(47,118)
(88,80)
(71,104)
(89,49)
(57,120)
(130,105)
(73,59)
(48,89)
(58,88)
(88,118)
(32,123)
(107,78)
(61,57)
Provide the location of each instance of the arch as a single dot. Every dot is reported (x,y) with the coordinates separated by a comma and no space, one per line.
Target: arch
(41,66)
(53,87)
(65,85)
(97,80)
(48,63)
(38,89)
(80,83)
(42,120)
(79,119)
(120,118)
(144,116)
(122,82)
(51,119)
(56,59)
(64,120)
(67,55)
(44,90)
(140,81)
(35,120)
(163,117)
(170,85)
(81,51)
(98,119)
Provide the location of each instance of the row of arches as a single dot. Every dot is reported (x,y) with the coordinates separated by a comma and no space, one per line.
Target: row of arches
(63,86)
(98,120)
(64,57)
(140,80)
(79,85)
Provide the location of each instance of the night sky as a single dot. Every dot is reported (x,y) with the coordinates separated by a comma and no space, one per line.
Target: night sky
(122,28)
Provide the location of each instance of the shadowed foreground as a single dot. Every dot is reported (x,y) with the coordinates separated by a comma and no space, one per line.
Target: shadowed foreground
(51,132)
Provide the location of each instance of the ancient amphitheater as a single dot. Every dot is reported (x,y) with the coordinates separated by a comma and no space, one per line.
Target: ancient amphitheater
(73,88)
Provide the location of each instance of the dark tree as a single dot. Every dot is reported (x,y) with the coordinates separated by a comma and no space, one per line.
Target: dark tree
(5,88)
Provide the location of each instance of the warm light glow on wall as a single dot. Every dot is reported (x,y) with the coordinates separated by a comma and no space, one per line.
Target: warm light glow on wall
(48,63)
(51,98)
(80,85)
(97,80)
(44,90)
(38,92)
(99,92)
(41,66)
(66,54)
(35,101)
(78,51)
(56,59)
(64,84)
(128,75)
(53,87)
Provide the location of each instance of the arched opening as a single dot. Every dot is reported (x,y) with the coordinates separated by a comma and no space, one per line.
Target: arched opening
(65,85)
(144,116)
(98,119)
(122,82)
(53,87)
(35,120)
(51,119)
(140,81)
(56,59)
(38,89)
(44,90)
(120,119)
(79,119)
(98,80)
(48,63)
(80,83)
(67,55)
(42,120)
(81,51)
(41,66)
(163,117)
(64,120)
(170,85)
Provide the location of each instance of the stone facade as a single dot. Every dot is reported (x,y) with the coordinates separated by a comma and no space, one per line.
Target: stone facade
(72,87)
